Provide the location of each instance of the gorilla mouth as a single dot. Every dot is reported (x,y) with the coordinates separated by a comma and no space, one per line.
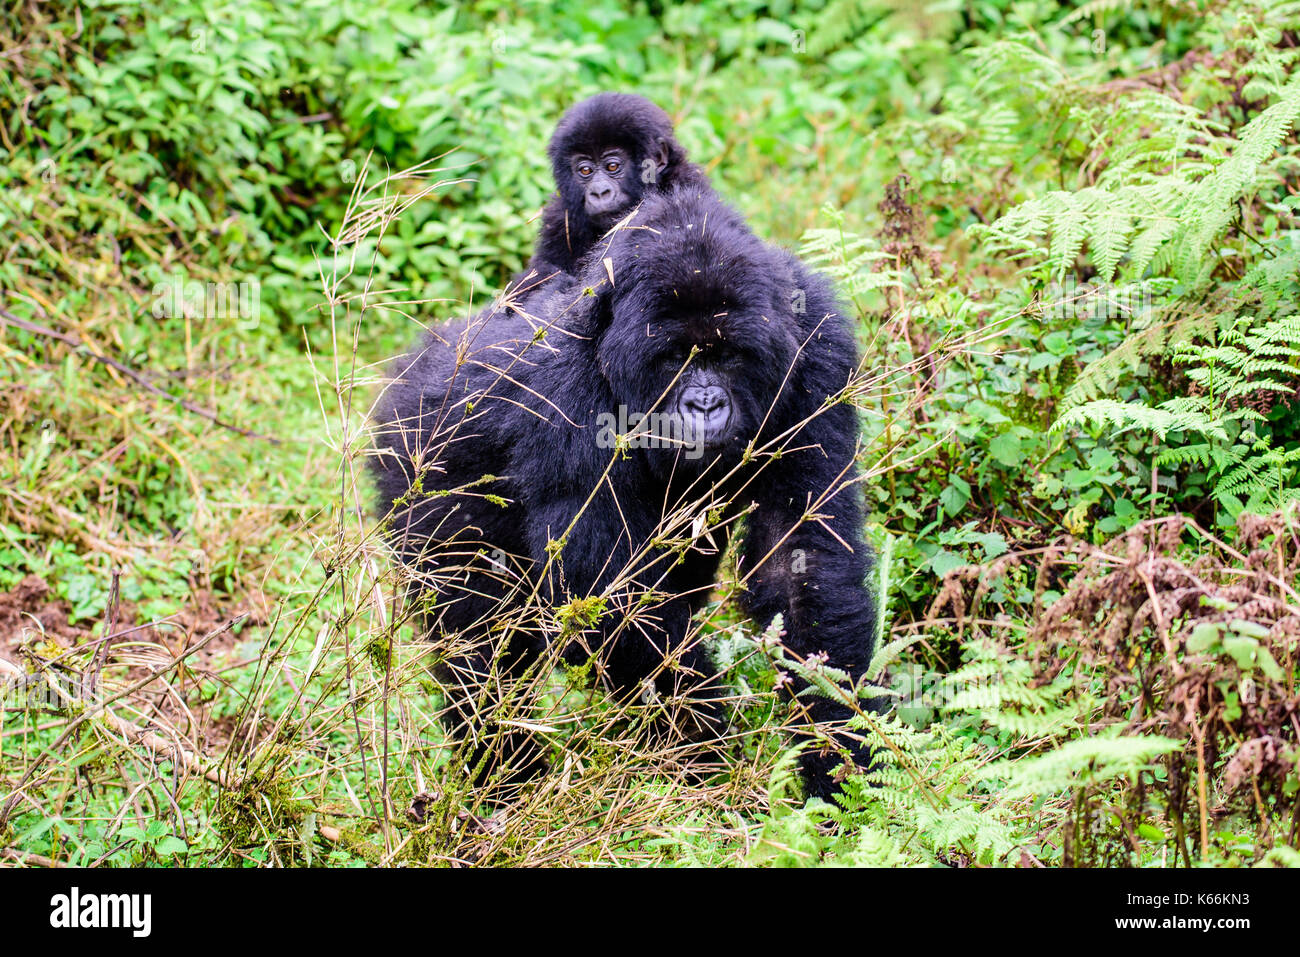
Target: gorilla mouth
(603,214)
(706,432)
(708,428)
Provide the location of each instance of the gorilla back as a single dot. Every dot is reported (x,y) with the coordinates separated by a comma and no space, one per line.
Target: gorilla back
(593,453)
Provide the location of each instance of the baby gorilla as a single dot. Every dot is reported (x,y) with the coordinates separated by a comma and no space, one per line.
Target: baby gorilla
(589,453)
(606,153)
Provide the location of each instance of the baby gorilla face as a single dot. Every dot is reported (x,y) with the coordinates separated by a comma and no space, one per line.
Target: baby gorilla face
(609,188)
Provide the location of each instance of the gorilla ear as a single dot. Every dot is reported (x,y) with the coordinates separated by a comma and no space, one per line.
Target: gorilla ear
(659,153)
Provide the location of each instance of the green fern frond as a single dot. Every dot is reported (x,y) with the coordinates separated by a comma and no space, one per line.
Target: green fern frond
(1084,761)
(1121,416)
(840,21)
(1159,338)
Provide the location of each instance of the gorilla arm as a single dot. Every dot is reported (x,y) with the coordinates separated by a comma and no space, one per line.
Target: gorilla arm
(805,559)
(644,620)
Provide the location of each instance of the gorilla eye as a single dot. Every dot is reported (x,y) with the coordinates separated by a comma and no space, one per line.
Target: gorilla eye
(673,360)
(612,166)
(585,169)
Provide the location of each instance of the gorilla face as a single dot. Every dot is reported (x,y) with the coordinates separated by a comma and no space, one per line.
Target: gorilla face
(608,182)
(607,153)
(698,328)
(719,391)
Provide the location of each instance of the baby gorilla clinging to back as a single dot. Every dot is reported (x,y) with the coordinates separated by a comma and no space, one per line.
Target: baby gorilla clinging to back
(497,472)
(607,152)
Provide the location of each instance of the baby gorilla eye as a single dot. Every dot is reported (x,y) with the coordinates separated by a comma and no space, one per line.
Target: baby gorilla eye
(612,165)
(585,169)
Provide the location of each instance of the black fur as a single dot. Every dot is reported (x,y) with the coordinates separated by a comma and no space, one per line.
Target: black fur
(621,120)
(524,408)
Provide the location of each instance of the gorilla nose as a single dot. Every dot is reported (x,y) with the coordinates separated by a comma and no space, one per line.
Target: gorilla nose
(600,198)
(704,400)
(708,404)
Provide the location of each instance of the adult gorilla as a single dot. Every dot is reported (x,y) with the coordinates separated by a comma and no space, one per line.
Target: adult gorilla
(607,152)
(507,470)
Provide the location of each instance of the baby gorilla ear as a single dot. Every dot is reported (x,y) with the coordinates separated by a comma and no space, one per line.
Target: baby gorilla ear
(655,161)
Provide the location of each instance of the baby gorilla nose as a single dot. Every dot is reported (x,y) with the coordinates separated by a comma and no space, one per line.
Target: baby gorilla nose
(708,408)
(603,197)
